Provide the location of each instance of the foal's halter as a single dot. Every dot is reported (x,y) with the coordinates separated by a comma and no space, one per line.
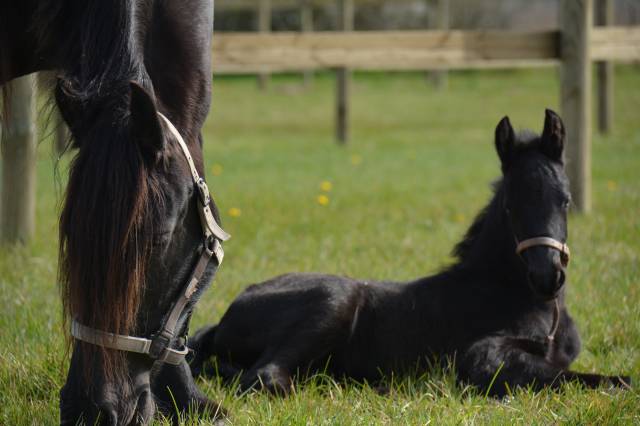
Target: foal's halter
(158,345)
(565,255)
(563,248)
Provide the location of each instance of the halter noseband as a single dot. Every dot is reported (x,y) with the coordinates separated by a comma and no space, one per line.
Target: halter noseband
(563,248)
(158,345)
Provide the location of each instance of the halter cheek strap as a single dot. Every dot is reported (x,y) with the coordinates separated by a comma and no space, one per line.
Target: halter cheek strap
(158,346)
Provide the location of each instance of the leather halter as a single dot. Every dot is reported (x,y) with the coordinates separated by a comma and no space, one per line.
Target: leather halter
(565,255)
(158,345)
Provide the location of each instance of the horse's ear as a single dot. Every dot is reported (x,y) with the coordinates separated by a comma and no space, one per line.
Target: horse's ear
(553,136)
(505,140)
(71,106)
(145,123)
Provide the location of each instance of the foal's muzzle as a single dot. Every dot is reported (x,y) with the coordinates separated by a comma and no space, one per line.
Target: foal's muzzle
(545,268)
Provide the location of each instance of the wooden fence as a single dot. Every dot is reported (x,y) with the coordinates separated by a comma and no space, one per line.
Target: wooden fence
(574,48)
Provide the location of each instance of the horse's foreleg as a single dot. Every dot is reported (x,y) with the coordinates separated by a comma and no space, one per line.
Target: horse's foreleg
(497,364)
(175,392)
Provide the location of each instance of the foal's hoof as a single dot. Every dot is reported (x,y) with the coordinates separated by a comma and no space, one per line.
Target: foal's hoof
(622,382)
(382,390)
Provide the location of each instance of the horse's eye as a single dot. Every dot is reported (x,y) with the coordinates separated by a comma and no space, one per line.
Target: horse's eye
(566,204)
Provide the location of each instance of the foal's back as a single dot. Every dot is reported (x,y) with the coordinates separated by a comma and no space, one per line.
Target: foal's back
(312,322)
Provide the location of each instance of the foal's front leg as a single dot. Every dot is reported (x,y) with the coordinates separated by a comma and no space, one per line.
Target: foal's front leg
(498,363)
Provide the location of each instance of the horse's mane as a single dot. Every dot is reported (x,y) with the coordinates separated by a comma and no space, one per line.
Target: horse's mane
(526,140)
(105,225)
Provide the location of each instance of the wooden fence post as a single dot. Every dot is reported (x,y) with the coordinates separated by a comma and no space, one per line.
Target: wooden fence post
(264,26)
(17,213)
(576,19)
(343,76)
(306,25)
(604,72)
(439,77)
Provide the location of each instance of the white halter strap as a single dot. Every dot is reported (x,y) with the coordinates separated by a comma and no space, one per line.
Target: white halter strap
(209,225)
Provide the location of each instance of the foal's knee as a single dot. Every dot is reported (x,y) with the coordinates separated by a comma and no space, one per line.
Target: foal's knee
(272,378)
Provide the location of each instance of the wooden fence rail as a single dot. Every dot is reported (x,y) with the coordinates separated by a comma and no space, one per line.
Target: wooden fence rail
(385,50)
(237,5)
(249,53)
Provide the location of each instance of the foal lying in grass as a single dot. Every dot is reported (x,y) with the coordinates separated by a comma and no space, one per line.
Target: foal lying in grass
(499,311)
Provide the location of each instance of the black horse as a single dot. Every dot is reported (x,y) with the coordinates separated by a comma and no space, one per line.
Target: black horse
(498,312)
(131,231)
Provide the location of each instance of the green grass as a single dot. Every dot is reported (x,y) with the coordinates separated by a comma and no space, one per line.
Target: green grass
(424,163)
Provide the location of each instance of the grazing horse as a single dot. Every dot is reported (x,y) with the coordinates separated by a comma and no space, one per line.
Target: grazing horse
(498,312)
(139,237)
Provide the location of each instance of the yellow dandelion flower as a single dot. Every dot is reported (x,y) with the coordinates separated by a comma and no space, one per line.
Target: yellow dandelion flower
(216,170)
(356,159)
(612,185)
(459,217)
(322,199)
(326,186)
(235,212)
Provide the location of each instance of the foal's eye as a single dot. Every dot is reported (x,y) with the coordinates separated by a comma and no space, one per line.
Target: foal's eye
(566,204)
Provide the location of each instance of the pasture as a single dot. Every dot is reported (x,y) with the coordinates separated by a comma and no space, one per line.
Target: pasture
(390,205)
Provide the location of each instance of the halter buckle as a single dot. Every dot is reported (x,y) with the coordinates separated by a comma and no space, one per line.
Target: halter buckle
(159,344)
(214,248)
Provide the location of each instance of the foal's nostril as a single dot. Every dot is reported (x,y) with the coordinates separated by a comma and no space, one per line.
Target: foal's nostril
(560,277)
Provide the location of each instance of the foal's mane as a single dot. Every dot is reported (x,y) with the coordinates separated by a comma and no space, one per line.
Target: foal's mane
(106,222)
(463,248)
(526,140)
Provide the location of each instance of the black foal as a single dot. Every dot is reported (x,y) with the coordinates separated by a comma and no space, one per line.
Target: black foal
(499,312)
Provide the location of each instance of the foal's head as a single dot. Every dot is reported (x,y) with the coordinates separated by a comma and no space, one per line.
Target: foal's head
(536,199)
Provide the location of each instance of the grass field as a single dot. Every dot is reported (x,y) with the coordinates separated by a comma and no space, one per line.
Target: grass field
(402,193)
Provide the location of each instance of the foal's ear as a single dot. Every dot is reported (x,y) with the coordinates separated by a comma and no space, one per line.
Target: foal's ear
(145,123)
(553,136)
(505,140)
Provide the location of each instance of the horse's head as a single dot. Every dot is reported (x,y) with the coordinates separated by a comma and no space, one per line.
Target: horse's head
(536,200)
(131,236)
